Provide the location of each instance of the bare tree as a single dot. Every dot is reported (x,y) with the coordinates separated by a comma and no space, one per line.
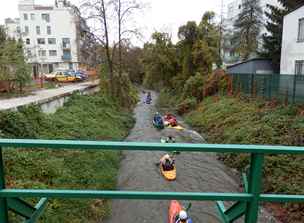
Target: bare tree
(125,9)
(97,10)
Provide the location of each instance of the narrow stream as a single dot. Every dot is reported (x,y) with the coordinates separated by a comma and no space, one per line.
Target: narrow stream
(196,172)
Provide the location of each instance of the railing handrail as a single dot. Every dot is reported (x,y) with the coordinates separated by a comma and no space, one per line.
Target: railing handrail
(145,146)
(147,195)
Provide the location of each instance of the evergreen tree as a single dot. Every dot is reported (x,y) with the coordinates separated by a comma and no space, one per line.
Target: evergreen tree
(248,27)
(13,66)
(272,42)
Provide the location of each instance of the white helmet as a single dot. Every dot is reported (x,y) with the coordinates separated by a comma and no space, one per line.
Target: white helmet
(183,215)
(166,157)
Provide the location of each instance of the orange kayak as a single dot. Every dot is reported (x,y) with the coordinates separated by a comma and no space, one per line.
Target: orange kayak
(169,175)
(174,210)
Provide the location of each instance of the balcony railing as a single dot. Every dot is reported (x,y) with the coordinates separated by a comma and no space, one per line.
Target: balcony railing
(66,57)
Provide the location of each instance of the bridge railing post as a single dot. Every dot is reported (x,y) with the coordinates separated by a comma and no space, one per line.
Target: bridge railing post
(255,185)
(3,201)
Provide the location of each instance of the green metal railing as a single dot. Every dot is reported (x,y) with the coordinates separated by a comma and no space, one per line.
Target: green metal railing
(282,87)
(246,203)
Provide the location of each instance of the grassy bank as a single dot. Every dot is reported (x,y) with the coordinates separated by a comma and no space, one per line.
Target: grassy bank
(233,121)
(83,117)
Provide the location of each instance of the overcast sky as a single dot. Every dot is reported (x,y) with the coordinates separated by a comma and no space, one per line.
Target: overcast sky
(161,15)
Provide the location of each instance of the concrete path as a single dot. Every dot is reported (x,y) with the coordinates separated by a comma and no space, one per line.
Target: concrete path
(43,96)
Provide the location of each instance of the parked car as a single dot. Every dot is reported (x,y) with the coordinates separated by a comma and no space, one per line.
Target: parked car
(52,76)
(81,74)
(66,76)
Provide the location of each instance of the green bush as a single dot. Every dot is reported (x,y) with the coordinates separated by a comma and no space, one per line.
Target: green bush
(186,105)
(194,87)
(82,117)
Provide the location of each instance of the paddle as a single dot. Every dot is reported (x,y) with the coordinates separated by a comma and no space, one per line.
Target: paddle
(188,207)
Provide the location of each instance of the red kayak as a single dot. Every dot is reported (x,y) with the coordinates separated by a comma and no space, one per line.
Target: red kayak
(174,209)
(170,119)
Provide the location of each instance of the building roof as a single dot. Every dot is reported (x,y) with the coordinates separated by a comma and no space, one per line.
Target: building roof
(292,11)
(247,61)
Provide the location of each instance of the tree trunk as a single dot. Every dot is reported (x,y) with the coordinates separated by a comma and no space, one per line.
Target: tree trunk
(107,47)
(119,39)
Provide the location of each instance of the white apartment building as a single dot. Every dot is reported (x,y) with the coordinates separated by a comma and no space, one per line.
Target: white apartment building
(292,57)
(233,10)
(53,36)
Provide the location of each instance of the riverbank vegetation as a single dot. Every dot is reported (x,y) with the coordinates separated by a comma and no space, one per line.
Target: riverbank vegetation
(83,117)
(229,120)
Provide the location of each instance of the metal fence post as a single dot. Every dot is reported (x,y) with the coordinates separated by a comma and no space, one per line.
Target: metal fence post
(255,181)
(3,203)
(252,80)
(269,86)
(294,89)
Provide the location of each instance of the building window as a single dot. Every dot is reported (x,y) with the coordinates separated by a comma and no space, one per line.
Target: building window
(26,30)
(29,53)
(18,30)
(299,69)
(48,30)
(45,17)
(28,41)
(52,53)
(66,55)
(66,42)
(42,53)
(25,16)
(51,41)
(38,30)
(32,16)
(301,30)
(41,41)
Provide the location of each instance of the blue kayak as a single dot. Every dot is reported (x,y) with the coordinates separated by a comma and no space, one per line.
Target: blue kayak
(158,122)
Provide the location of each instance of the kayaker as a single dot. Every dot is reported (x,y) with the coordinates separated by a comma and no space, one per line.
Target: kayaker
(167,162)
(149,95)
(182,217)
(157,117)
(170,139)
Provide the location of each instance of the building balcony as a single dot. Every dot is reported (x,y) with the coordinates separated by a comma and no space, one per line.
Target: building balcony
(66,57)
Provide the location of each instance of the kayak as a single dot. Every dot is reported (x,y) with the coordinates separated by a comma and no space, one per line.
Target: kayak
(178,127)
(170,120)
(169,175)
(174,209)
(158,123)
(163,141)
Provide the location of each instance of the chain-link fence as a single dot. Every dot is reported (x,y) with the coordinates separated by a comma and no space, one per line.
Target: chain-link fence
(288,88)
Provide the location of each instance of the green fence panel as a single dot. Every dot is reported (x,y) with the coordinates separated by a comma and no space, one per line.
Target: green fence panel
(281,87)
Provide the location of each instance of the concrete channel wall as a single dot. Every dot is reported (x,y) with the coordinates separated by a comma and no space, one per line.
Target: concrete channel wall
(52,104)
(49,100)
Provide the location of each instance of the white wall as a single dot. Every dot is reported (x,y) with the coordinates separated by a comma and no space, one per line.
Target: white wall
(292,50)
(11,29)
(62,26)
